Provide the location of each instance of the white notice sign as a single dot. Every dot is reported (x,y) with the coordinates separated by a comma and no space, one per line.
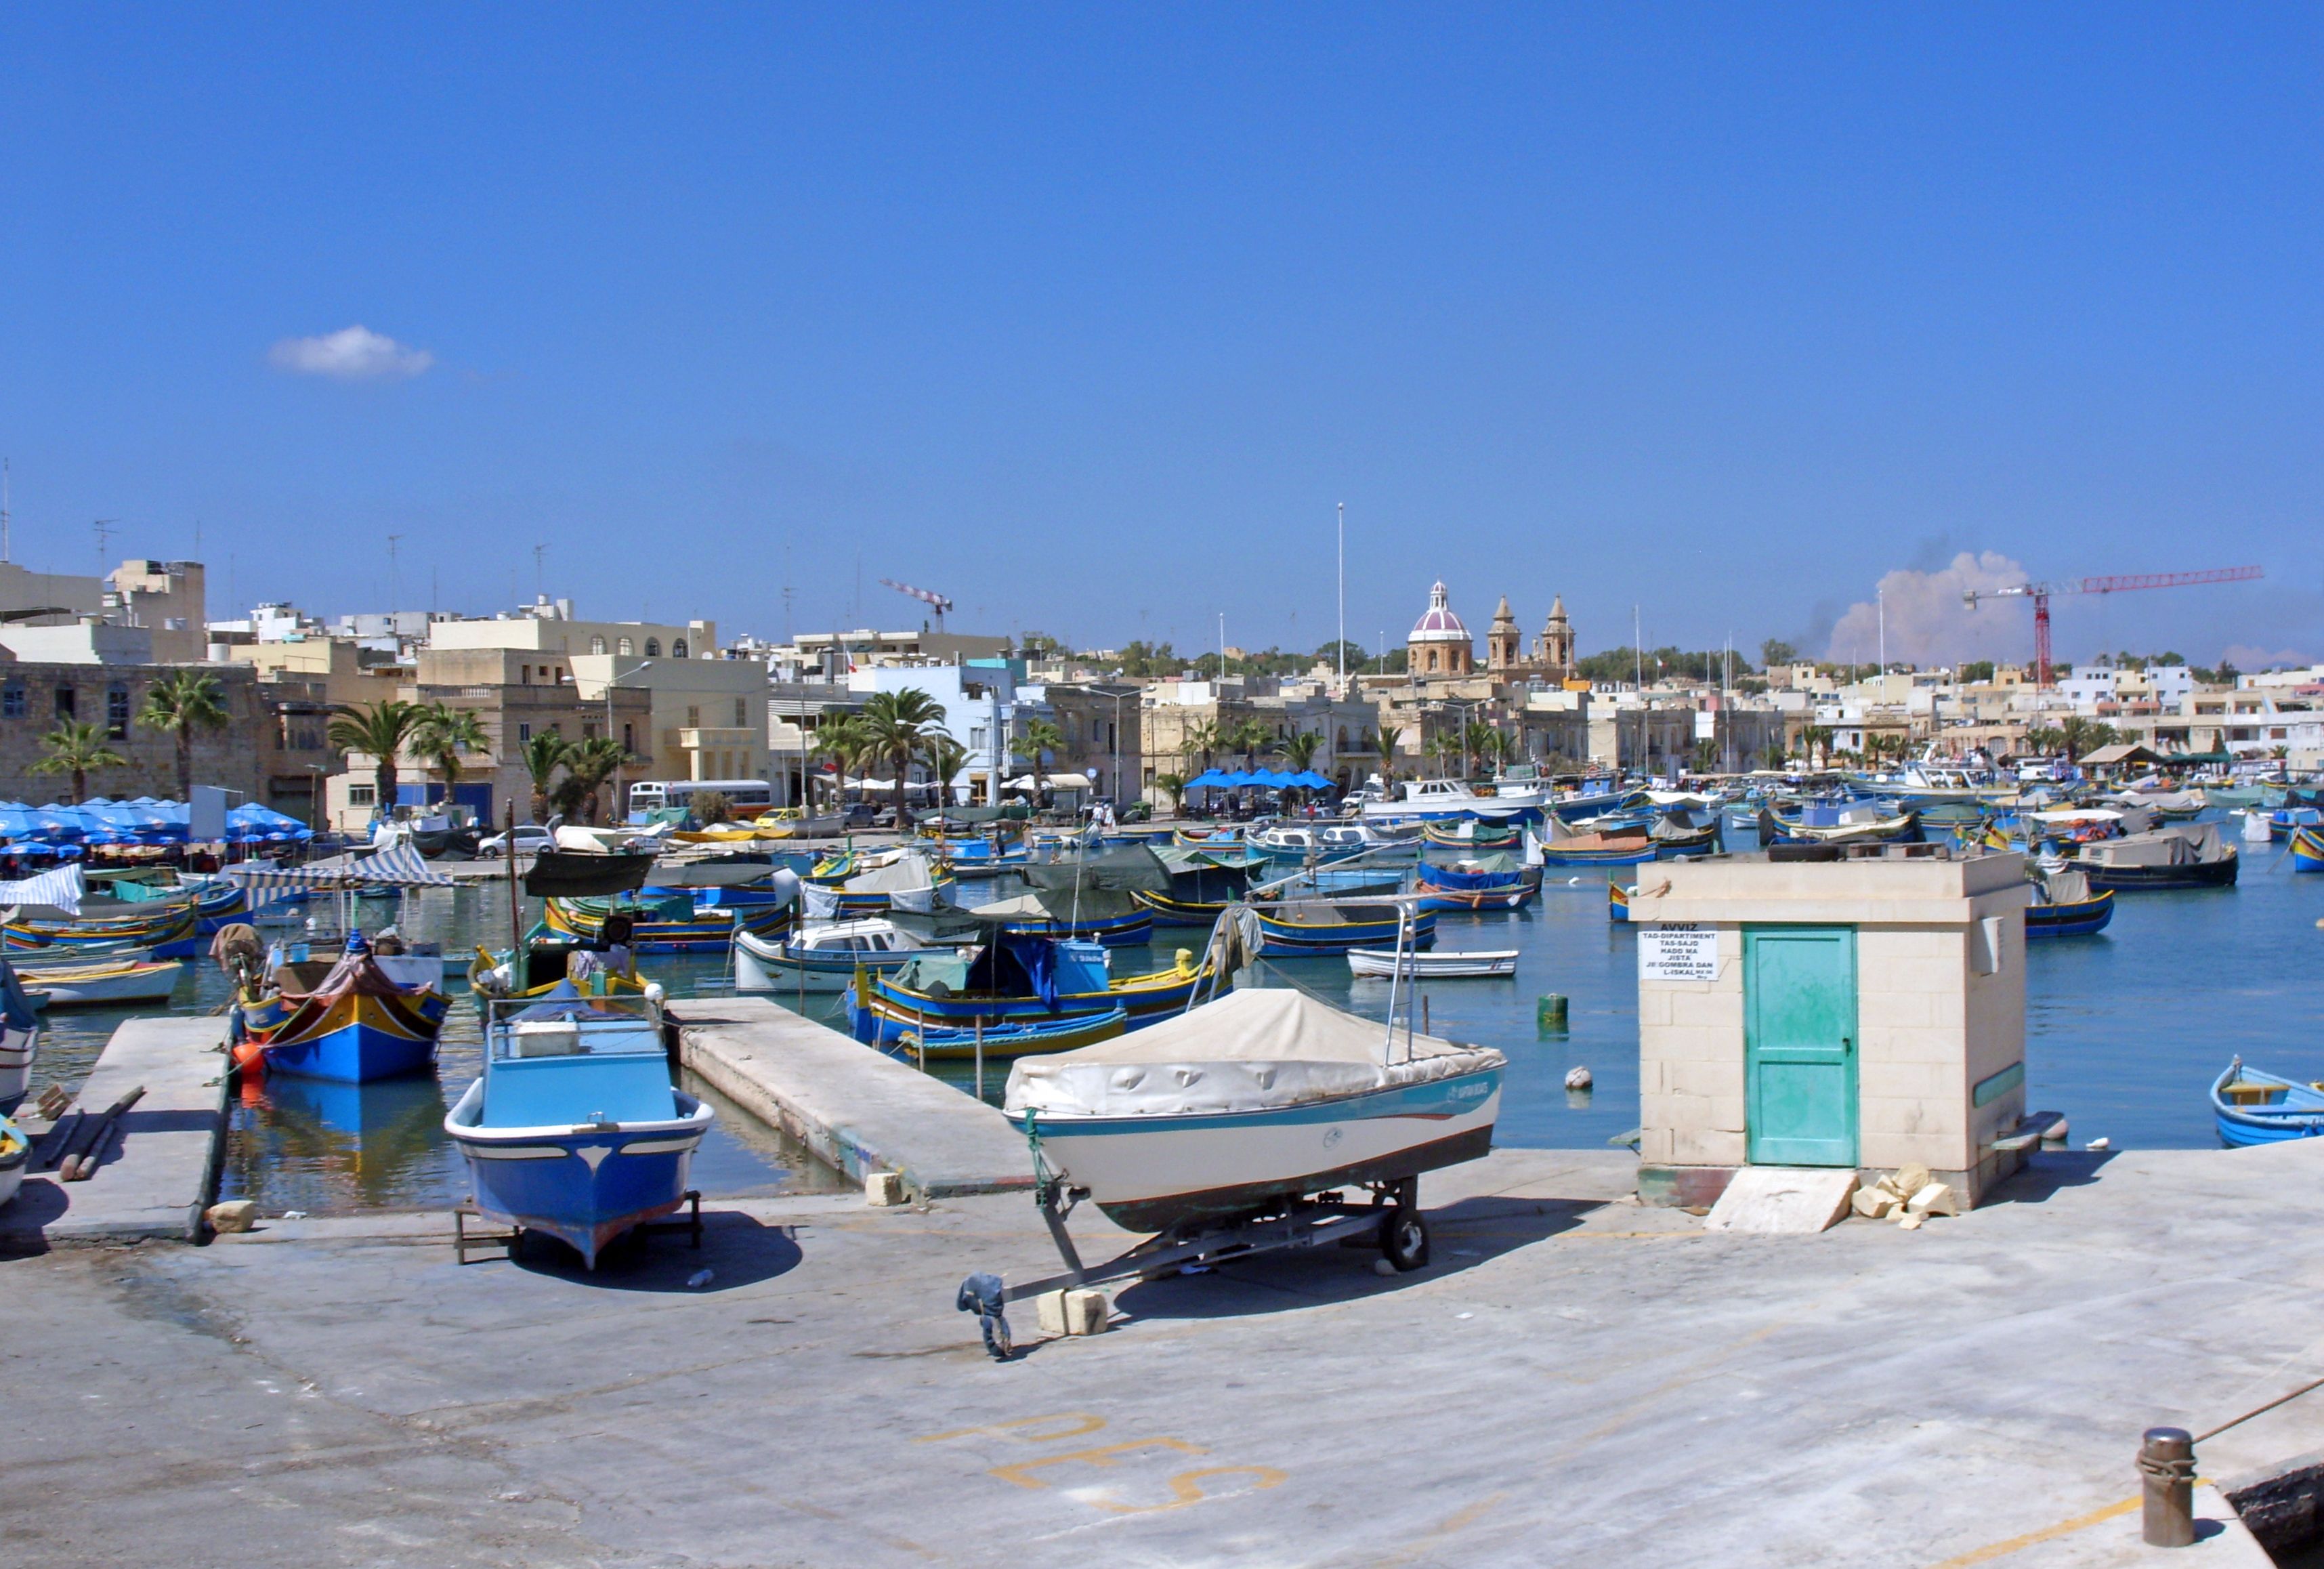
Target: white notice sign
(1678,951)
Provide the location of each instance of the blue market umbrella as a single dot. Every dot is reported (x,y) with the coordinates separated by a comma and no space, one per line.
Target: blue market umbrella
(1308,778)
(1208,780)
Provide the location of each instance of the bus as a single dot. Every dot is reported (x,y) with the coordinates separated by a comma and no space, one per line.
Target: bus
(747,797)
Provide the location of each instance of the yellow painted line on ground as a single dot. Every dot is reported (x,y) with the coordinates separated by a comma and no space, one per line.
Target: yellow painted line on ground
(1986,1554)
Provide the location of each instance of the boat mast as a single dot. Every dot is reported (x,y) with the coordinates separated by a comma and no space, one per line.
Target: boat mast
(1342,639)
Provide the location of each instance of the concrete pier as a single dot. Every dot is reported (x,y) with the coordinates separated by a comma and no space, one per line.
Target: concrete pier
(859,1111)
(1574,1380)
(161,1163)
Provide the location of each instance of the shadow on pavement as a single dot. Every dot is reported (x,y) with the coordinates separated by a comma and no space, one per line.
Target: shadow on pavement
(2046,1171)
(738,1249)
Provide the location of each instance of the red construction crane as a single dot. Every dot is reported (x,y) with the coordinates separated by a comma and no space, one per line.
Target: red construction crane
(2040,593)
(926,596)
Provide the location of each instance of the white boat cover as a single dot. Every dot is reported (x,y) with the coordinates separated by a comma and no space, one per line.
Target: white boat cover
(2182,844)
(1251,1051)
(2067,888)
(904,873)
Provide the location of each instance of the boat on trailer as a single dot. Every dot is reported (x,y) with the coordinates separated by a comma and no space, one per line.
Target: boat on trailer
(1234,1129)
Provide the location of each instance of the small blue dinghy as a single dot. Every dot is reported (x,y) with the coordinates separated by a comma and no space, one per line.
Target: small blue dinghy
(575,1128)
(2256,1108)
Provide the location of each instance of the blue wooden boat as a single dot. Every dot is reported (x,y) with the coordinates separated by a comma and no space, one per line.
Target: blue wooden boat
(1492,883)
(1292,931)
(1618,902)
(356,1026)
(2308,850)
(2079,918)
(574,1127)
(1019,981)
(1002,1040)
(2256,1108)
(670,920)
(1630,849)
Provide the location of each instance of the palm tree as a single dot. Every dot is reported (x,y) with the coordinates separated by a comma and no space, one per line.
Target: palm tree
(946,756)
(1815,741)
(1299,749)
(75,748)
(1200,740)
(542,756)
(2077,735)
(379,732)
(842,741)
(442,735)
(182,702)
(896,726)
(1250,738)
(589,764)
(1384,749)
(1038,739)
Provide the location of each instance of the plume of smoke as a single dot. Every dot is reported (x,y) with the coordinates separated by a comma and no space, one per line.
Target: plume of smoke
(1929,623)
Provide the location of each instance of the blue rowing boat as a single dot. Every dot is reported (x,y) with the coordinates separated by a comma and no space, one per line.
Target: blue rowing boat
(2256,1108)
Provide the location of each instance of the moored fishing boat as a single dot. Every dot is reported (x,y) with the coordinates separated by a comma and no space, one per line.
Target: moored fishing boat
(1489,882)
(821,957)
(2307,850)
(2184,855)
(101,984)
(574,1127)
(357,1025)
(667,920)
(170,930)
(1008,1040)
(1471,834)
(15,1154)
(1016,981)
(1443,964)
(2066,906)
(2251,1107)
(1249,1101)
(1618,900)
(1631,848)
(20,1039)
(1318,929)
(1849,824)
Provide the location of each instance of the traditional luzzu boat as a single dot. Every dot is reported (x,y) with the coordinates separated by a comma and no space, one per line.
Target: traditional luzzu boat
(854,882)
(1203,883)
(1249,1103)
(1320,929)
(1471,834)
(100,983)
(1631,848)
(670,920)
(2308,850)
(1016,981)
(1618,900)
(169,930)
(1862,824)
(1112,920)
(2183,855)
(574,1127)
(1007,1041)
(1487,882)
(15,1154)
(356,1026)
(2066,906)
(2251,1107)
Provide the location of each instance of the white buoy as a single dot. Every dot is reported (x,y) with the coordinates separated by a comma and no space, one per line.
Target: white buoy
(1578,1078)
(1576,883)
(2099,1144)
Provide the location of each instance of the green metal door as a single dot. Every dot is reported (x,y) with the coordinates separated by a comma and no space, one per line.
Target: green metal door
(1799,1044)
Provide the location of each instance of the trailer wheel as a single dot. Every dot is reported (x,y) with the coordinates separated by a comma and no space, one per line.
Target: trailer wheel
(1404,1239)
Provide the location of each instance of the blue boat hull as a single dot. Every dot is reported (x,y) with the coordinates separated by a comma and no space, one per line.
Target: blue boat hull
(2298,1112)
(2070,920)
(586,1188)
(353,1054)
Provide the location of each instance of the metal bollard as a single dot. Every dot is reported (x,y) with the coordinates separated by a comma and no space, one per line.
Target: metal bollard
(2166,1464)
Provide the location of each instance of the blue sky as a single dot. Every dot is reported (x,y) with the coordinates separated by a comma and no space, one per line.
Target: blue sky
(1090,317)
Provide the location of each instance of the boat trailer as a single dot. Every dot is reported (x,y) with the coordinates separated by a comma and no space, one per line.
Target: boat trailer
(1391,1219)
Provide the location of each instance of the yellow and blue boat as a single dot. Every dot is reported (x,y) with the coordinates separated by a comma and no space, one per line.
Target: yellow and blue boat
(670,920)
(356,1026)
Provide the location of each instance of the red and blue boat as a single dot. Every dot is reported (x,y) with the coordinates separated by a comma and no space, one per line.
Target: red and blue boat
(357,1025)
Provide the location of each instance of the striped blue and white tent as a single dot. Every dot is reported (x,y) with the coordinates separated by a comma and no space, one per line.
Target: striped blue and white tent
(62,889)
(401,866)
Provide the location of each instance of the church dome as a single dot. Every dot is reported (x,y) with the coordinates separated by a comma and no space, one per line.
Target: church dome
(1439,625)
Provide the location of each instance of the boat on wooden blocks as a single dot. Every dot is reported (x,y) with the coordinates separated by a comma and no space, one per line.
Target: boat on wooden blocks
(574,1127)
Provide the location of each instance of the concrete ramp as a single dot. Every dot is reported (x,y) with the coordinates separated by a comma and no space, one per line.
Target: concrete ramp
(859,1111)
(1801,1199)
(162,1163)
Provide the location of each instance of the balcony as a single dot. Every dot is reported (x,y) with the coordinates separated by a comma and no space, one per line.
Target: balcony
(703,739)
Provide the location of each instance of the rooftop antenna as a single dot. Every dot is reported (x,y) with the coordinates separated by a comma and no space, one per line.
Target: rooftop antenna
(539,576)
(4,509)
(1344,599)
(391,589)
(104,527)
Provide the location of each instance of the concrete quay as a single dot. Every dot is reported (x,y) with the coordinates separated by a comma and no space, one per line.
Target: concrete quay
(860,1112)
(1572,1380)
(161,1164)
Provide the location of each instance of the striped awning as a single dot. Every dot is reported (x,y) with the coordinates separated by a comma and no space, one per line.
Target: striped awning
(400,866)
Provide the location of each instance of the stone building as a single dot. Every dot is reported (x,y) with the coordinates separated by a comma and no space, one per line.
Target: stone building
(1553,652)
(270,750)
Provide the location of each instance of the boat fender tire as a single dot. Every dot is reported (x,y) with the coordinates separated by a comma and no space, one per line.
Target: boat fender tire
(1404,1239)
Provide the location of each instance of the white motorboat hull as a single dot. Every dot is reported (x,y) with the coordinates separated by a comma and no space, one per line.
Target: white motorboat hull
(1438,965)
(1151,1172)
(66,989)
(19,1049)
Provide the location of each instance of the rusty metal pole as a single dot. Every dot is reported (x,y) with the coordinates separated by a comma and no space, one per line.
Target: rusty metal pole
(2166,1464)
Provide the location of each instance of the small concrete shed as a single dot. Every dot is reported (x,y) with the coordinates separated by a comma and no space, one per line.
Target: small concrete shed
(1864,1012)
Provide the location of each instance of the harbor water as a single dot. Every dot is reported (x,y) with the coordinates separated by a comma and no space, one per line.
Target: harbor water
(2126,1031)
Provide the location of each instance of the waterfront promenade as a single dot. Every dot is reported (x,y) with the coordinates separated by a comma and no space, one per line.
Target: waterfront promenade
(1574,1380)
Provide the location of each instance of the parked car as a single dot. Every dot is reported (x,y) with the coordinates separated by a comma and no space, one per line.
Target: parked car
(532,839)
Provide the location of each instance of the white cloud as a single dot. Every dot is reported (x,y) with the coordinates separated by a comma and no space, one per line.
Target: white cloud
(1928,621)
(351,354)
(2257,657)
